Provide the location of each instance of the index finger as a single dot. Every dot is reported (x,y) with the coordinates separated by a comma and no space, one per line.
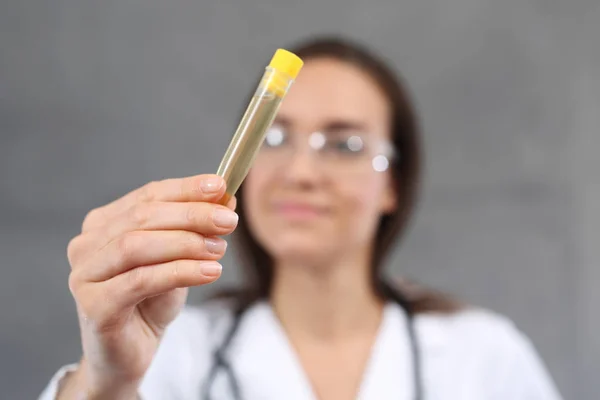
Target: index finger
(206,188)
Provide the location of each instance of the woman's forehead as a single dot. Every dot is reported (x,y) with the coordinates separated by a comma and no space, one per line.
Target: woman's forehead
(328,89)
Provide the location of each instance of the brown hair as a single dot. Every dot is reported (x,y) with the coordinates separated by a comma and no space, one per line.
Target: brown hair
(406,172)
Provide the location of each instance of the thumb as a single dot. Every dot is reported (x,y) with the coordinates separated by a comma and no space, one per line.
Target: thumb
(159,311)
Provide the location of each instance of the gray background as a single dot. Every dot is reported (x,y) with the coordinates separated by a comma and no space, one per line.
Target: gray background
(97,98)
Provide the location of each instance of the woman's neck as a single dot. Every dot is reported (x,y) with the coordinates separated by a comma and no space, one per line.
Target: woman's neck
(328,301)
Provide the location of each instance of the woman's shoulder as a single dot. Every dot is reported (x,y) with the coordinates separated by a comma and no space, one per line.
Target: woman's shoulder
(476,327)
(469,317)
(492,346)
(445,318)
(486,340)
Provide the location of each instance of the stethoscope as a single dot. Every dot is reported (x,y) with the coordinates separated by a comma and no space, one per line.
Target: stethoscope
(220,360)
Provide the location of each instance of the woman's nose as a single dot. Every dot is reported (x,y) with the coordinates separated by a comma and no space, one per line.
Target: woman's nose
(301,167)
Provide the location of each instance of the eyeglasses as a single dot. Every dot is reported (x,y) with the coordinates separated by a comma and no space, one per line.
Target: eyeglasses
(342,151)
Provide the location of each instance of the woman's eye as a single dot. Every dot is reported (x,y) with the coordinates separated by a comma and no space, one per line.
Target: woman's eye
(275,137)
(346,145)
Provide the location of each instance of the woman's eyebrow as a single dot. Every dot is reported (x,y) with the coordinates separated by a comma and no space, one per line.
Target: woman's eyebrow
(343,125)
(283,121)
(332,126)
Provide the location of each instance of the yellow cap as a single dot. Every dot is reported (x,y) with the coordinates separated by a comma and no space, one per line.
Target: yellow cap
(286,62)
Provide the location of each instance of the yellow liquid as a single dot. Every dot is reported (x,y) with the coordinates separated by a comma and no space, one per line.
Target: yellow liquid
(247,140)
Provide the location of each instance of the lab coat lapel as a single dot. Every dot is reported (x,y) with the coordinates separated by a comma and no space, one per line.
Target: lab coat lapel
(389,372)
(268,368)
(264,360)
(433,347)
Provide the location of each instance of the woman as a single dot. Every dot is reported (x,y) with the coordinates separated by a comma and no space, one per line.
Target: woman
(330,191)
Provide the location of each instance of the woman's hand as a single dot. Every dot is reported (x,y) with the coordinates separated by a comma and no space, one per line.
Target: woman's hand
(131,267)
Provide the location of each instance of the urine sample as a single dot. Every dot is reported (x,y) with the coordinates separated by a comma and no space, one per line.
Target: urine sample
(248,138)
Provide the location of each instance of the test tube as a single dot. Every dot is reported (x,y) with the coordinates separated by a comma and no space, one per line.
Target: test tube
(247,140)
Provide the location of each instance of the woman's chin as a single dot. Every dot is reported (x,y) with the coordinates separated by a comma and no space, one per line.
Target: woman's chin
(301,247)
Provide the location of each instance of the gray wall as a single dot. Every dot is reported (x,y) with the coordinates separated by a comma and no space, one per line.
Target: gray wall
(97,98)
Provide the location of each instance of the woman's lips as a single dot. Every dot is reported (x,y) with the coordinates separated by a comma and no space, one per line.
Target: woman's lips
(296,210)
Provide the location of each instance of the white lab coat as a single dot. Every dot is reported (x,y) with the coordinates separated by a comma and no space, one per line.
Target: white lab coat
(470,355)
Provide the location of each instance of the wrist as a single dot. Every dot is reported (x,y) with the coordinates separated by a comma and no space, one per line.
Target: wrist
(90,387)
(115,392)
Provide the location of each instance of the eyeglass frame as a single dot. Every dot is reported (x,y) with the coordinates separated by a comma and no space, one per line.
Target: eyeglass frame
(384,152)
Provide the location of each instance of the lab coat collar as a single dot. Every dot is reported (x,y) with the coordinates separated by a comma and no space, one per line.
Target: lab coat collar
(264,359)
(268,367)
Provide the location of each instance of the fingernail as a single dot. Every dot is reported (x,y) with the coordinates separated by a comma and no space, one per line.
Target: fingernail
(215,246)
(211,184)
(225,218)
(211,269)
